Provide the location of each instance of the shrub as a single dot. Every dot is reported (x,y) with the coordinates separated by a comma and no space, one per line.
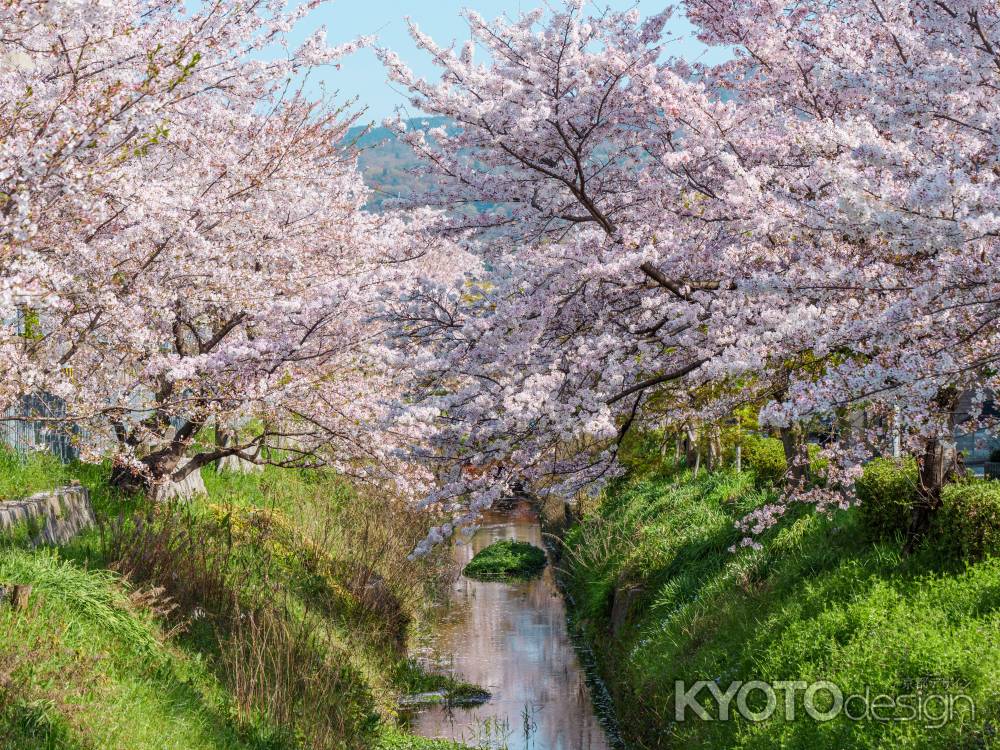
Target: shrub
(969,520)
(506,559)
(995,455)
(886,490)
(766,456)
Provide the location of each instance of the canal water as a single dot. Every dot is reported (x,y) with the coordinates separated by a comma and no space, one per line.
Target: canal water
(510,639)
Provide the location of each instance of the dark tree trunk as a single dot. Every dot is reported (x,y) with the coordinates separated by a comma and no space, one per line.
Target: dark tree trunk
(126,480)
(796,453)
(692,453)
(714,447)
(937,466)
(847,426)
(163,469)
(159,466)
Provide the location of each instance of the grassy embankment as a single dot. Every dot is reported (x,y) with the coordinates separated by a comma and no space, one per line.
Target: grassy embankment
(270,615)
(660,598)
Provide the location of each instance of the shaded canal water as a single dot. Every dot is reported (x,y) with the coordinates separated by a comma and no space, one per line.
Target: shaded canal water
(511,639)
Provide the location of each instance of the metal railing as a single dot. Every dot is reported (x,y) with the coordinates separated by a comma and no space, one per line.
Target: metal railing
(26,427)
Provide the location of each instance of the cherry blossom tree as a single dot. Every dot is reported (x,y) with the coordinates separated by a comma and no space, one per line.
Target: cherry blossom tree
(889,165)
(810,224)
(186,232)
(610,249)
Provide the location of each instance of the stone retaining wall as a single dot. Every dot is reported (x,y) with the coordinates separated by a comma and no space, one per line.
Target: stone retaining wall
(190,486)
(58,516)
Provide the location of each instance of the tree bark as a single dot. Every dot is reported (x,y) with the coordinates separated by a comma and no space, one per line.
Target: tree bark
(847,426)
(692,454)
(166,475)
(796,453)
(937,466)
(714,447)
(20,596)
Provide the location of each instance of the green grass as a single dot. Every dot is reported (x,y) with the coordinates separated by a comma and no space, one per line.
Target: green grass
(92,665)
(819,601)
(23,475)
(91,595)
(393,739)
(85,668)
(506,560)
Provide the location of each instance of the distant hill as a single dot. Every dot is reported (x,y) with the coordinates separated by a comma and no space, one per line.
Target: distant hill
(388,165)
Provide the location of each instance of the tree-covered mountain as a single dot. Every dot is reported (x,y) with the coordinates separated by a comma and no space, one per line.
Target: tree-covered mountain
(388,165)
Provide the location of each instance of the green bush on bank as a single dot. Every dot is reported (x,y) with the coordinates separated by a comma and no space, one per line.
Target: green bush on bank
(765,457)
(886,491)
(659,598)
(506,560)
(969,521)
(392,739)
(967,527)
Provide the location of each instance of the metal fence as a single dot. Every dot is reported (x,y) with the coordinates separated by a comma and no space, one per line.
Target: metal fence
(25,427)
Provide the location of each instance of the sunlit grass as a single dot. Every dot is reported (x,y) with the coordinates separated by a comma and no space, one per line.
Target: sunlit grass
(92,666)
(819,601)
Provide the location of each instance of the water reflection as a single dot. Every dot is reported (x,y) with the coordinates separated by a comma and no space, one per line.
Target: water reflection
(512,640)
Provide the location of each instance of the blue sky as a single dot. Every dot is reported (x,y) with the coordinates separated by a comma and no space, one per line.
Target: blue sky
(362,76)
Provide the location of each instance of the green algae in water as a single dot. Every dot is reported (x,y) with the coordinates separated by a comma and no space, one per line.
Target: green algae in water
(506,560)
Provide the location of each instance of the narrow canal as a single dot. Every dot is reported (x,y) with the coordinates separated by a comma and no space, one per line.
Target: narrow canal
(511,639)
